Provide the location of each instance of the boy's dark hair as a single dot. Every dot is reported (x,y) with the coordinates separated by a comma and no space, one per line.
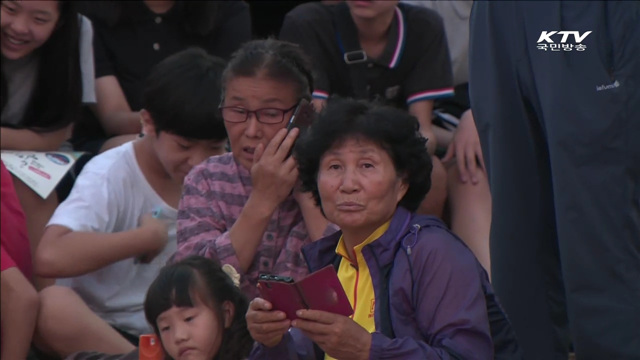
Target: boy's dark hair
(202,277)
(276,59)
(57,96)
(393,129)
(182,93)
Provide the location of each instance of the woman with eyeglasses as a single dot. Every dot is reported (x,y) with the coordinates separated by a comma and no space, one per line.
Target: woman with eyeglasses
(243,208)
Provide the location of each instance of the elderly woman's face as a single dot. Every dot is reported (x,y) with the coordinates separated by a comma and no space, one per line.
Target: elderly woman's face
(254,93)
(358,185)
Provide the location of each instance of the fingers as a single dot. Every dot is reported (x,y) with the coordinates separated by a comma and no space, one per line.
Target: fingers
(257,154)
(480,158)
(260,304)
(318,316)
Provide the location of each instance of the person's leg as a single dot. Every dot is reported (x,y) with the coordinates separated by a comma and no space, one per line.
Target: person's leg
(592,110)
(470,212)
(37,212)
(524,254)
(434,202)
(67,325)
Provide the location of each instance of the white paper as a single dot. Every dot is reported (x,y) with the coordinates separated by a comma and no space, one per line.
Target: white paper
(41,171)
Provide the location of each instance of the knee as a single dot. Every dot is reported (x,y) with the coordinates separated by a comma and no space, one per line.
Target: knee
(57,304)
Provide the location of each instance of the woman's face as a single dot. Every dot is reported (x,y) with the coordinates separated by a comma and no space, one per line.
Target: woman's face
(253,93)
(193,333)
(358,186)
(26,25)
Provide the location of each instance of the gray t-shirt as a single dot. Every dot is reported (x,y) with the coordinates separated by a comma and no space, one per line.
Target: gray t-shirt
(21,76)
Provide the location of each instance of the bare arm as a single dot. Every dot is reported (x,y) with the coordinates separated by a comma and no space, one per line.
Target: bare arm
(24,139)
(112,108)
(315,222)
(19,311)
(66,253)
(422,110)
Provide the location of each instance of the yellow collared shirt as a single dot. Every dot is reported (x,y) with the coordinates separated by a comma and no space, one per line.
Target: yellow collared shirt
(356,280)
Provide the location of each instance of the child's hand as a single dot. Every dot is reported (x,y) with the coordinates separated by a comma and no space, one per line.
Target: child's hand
(157,236)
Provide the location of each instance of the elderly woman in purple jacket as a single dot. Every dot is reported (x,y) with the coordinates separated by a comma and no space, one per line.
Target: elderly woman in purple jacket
(417,292)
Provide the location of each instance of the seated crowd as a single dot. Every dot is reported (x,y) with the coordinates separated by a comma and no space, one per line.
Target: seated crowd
(193,184)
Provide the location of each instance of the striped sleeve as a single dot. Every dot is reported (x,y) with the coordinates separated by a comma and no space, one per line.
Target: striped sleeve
(201,225)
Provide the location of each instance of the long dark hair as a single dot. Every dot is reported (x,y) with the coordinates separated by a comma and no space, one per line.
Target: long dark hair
(200,16)
(57,96)
(198,276)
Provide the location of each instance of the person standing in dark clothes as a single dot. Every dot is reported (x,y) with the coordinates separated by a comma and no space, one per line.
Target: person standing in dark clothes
(555,91)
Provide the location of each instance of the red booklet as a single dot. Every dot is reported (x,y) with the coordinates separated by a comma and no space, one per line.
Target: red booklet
(320,290)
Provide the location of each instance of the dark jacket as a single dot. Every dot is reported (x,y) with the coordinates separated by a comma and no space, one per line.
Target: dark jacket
(436,299)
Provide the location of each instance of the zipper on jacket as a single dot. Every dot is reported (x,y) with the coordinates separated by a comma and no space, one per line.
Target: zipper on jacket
(414,230)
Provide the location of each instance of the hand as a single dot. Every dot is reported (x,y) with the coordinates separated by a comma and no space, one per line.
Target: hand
(157,235)
(338,336)
(274,172)
(265,325)
(432,142)
(465,147)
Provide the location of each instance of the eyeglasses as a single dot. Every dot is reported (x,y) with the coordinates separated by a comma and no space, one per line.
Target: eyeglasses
(237,114)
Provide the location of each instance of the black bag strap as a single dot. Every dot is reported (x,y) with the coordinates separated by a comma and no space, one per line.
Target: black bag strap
(353,55)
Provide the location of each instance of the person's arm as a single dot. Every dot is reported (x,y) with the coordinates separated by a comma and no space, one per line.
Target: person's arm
(18,311)
(66,253)
(201,228)
(24,139)
(314,220)
(423,110)
(112,108)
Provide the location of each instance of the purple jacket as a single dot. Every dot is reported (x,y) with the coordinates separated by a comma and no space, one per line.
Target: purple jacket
(444,314)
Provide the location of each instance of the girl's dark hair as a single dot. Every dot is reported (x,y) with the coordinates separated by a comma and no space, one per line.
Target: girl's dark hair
(57,97)
(200,16)
(198,276)
(276,59)
(393,129)
(181,93)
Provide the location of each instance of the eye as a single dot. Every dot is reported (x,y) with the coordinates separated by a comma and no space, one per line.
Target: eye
(189,318)
(239,110)
(41,21)
(334,167)
(8,8)
(164,329)
(183,146)
(368,166)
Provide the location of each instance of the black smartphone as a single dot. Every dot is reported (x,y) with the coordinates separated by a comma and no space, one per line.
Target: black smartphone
(303,116)
(276,278)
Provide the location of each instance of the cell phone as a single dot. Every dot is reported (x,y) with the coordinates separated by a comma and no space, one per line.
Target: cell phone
(320,290)
(150,348)
(303,116)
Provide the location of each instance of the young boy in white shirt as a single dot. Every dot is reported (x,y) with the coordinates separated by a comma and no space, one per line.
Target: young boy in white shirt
(108,240)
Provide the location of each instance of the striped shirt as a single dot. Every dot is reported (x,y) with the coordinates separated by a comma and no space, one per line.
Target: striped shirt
(213,197)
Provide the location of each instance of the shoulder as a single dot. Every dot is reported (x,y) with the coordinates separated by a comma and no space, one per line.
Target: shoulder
(115,165)
(214,172)
(312,13)
(422,19)
(437,246)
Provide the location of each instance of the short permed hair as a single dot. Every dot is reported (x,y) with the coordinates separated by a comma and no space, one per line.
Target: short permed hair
(182,92)
(392,129)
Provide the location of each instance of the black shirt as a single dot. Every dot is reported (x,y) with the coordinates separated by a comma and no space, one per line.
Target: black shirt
(414,66)
(131,47)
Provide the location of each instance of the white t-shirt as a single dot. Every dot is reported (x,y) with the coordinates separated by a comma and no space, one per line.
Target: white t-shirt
(110,195)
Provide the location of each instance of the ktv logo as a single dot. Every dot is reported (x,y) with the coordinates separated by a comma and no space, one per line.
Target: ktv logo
(546,42)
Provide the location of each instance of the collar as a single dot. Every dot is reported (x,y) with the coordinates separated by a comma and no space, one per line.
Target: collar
(342,250)
(322,252)
(139,12)
(348,42)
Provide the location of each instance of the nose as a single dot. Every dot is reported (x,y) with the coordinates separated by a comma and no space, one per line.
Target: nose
(349,183)
(180,333)
(19,25)
(254,128)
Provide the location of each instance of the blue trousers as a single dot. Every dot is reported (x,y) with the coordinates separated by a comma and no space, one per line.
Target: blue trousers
(560,134)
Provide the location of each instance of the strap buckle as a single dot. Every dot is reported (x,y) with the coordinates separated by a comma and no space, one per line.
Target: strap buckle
(355,57)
